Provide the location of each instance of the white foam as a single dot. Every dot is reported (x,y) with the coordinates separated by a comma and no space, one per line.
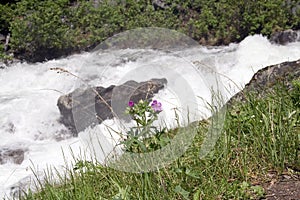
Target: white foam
(29,93)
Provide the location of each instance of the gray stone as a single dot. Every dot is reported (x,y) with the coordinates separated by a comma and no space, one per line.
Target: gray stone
(30,182)
(160,4)
(285,37)
(2,65)
(86,107)
(2,38)
(265,79)
(8,155)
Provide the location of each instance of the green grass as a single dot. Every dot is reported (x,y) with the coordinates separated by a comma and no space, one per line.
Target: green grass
(260,135)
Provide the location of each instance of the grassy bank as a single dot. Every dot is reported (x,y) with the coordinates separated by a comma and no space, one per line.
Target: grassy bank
(49,29)
(260,141)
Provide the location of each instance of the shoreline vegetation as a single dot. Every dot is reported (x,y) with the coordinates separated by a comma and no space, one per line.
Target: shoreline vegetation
(260,141)
(36,31)
(258,147)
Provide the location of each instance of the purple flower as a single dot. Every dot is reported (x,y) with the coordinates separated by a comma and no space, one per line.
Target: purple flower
(156,106)
(130,104)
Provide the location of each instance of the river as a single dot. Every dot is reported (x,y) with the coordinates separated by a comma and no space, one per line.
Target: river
(29,93)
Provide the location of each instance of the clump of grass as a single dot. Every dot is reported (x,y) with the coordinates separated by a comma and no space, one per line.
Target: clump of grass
(259,136)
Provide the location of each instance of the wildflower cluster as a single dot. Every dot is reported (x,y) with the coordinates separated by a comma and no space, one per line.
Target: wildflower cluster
(144,137)
(143,113)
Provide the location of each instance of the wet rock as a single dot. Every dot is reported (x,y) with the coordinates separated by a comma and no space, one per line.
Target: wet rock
(87,107)
(265,79)
(2,65)
(8,155)
(8,61)
(10,128)
(31,182)
(269,76)
(285,37)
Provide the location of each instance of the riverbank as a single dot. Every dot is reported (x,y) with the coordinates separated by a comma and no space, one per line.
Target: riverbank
(257,156)
(30,117)
(35,31)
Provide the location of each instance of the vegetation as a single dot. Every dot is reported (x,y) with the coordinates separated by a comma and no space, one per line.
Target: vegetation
(48,29)
(260,140)
(260,136)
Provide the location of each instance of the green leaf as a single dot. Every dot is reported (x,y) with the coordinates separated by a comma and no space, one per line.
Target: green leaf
(178,189)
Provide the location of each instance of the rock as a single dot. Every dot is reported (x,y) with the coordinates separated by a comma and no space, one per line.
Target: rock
(43,54)
(32,182)
(9,61)
(8,155)
(6,45)
(285,37)
(265,79)
(83,107)
(160,4)
(97,3)
(2,38)
(2,65)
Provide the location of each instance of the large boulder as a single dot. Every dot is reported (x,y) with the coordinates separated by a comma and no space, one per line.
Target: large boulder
(265,79)
(86,107)
(285,37)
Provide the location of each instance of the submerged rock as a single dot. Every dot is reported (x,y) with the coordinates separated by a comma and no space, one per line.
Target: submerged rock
(32,182)
(8,155)
(86,107)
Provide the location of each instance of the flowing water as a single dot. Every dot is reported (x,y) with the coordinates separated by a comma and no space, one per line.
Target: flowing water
(29,93)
